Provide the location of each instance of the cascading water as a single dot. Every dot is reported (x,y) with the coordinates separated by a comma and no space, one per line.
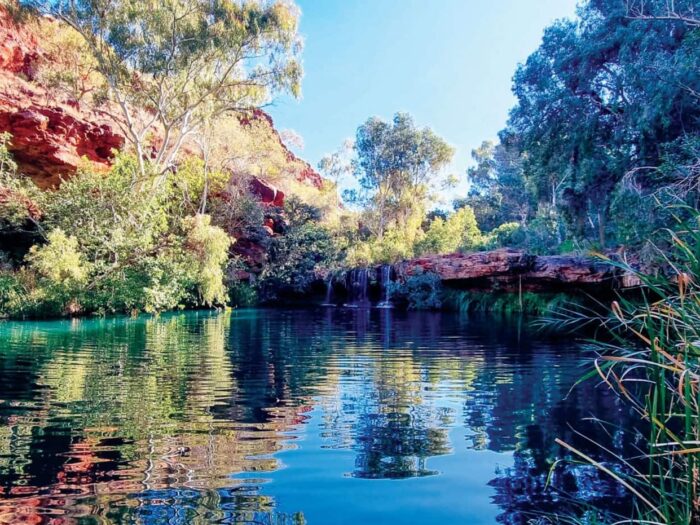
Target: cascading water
(329,291)
(385,281)
(356,284)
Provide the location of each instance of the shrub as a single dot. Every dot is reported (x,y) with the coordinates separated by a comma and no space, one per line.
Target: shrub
(296,258)
(59,260)
(510,234)
(18,195)
(420,291)
(134,245)
(506,302)
(458,232)
(206,247)
(242,295)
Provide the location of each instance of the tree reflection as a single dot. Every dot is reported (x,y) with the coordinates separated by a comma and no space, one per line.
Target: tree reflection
(149,420)
(126,411)
(397,429)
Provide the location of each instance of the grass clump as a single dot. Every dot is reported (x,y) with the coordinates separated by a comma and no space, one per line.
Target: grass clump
(651,359)
(469,301)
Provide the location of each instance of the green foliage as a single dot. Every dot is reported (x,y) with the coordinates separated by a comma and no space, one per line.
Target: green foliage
(650,358)
(420,290)
(506,302)
(206,251)
(116,218)
(242,295)
(120,243)
(12,293)
(7,164)
(458,232)
(397,244)
(395,165)
(499,190)
(17,194)
(297,256)
(51,284)
(603,102)
(184,63)
(239,213)
(59,260)
(508,234)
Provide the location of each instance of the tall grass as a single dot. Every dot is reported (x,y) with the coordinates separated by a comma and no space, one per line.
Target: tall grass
(469,301)
(651,359)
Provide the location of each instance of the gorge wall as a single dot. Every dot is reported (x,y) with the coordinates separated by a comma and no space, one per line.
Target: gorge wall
(53,135)
(513,270)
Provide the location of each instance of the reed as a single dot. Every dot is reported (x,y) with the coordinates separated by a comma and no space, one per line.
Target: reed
(651,359)
(467,301)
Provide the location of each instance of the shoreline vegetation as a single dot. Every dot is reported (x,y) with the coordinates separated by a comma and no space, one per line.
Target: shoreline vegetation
(194,200)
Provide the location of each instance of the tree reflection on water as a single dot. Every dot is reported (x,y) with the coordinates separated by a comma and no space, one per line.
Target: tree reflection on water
(153,420)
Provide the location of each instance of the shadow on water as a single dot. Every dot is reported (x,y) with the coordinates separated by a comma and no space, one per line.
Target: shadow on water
(290,417)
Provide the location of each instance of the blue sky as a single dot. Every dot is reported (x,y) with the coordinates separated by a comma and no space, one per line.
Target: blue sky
(447,62)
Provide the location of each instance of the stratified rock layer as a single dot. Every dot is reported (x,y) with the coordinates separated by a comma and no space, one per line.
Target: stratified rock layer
(50,137)
(509,269)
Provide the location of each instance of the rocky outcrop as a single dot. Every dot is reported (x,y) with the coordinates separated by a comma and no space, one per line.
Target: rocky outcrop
(508,269)
(50,142)
(266,192)
(51,138)
(18,46)
(51,135)
(306,174)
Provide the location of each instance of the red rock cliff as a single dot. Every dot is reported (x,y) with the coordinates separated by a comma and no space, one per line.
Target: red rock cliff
(51,136)
(510,270)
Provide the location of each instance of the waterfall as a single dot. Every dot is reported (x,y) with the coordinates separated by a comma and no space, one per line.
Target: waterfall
(329,291)
(356,284)
(362,285)
(385,281)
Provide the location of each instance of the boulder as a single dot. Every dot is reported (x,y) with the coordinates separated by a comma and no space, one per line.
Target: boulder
(267,193)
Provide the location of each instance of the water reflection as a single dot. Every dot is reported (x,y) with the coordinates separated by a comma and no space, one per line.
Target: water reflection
(291,417)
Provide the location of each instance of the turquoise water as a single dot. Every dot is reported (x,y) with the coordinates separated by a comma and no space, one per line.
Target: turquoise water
(287,417)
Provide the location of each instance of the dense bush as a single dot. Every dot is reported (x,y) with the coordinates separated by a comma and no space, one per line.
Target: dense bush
(533,303)
(297,256)
(17,195)
(419,291)
(118,242)
(242,295)
(459,231)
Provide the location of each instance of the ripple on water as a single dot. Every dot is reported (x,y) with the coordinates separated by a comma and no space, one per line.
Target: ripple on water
(288,417)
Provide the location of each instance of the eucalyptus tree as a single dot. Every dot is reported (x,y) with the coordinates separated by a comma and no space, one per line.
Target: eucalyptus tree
(173,65)
(499,191)
(334,166)
(396,164)
(605,95)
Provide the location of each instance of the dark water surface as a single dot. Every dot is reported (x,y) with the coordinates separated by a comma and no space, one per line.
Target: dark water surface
(288,417)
